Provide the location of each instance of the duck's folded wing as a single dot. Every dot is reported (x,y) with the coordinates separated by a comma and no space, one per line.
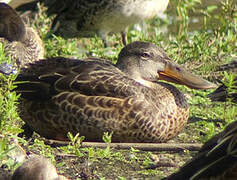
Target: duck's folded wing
(46,78)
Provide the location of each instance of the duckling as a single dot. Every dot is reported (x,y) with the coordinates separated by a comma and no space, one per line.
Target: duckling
(37,168)
(85,18)
(92,96)
(217,159)
(20,42)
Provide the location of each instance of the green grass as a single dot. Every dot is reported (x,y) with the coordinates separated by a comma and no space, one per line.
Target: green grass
(201,50)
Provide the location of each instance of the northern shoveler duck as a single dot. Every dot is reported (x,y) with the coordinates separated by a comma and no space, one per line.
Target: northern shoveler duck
(20,42)
(37,168)
(217,159)
(85,18)
(93,96)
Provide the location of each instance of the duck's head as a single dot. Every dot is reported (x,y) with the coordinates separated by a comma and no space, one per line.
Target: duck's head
(146,63)
(37,168)
(12,27)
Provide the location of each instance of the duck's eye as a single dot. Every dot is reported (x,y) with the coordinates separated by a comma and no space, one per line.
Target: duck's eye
(146,55)
(178,69)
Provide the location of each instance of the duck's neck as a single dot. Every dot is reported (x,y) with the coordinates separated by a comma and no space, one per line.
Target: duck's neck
(31,47)
(33,42)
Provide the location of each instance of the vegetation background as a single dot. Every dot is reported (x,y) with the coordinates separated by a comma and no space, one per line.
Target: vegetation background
(201,35)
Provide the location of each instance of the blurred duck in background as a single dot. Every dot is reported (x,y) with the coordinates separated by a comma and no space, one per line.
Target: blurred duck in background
(85,18)
(16,3)
(37,168)
(21,43)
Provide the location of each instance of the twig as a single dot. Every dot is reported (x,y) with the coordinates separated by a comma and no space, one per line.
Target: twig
(147,146)
(140,146)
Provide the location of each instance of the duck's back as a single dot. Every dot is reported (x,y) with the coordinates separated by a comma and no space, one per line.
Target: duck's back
(91,77)
(94,92)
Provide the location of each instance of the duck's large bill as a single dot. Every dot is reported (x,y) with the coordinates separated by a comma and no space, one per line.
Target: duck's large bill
(174,73)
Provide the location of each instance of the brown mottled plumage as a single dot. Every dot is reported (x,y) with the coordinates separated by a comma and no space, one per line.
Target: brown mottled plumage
(217,159)
(93,96)
(21,43)
(37,168)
